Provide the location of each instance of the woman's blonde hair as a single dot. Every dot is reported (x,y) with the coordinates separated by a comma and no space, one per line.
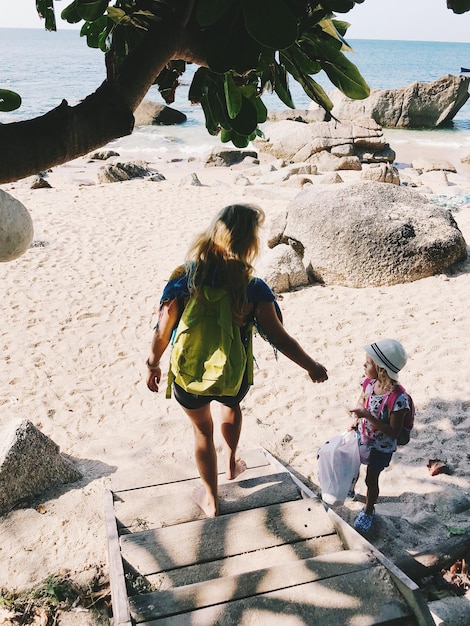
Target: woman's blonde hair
(226,252)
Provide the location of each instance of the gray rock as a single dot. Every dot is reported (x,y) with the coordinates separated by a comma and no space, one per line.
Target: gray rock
(282,268)
(381,173)
(307,116)
(330,146)
(242,180)
(419,105)
(297,181)
(118,172)
(225,157)
(103,155)
(40,183)
(30,464)
(191,180)
(331,178)
(455,503)
(369,234)
(150,113)
(432,165)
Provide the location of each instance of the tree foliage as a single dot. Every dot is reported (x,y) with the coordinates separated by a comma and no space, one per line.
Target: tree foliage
(244,48)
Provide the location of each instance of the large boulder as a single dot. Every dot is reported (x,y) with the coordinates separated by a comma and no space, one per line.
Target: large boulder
(150,113)
(369,234)
(419,105)
(16,227)
(331,146)
(30,464)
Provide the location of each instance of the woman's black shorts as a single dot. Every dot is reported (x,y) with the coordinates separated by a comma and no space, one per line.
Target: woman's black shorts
(194,401)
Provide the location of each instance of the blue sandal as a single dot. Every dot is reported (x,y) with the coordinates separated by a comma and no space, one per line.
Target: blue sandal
(363,521)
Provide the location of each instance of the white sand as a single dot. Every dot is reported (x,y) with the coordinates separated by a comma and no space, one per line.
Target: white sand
(76,326)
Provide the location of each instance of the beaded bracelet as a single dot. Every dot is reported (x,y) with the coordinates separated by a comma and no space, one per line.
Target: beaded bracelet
(152,368)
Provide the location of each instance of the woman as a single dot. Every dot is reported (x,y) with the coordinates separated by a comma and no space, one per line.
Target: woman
(223,256)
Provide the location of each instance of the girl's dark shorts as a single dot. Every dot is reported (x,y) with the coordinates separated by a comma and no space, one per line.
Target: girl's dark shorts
(193,401)
(378,461)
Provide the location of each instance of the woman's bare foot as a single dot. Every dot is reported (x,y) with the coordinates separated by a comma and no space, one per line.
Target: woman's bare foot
(238,468)
(204,502)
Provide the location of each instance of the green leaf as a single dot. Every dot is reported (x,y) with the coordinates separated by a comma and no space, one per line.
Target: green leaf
(329,27)
(45,9)
(342,73)
(451,532)
(70,13)
(199,85)
(95,31)
(270,22)
(211,123)
(304,63)
(219,106)
(251,90)
(340,6)
(458,6)
(261,110)
(225,135)
(117,15)
(233,97)
(315,92)
(91,10)
(239,141)
(168,80)
(9,100)
(348,79)
(281,86)
(246,121)
(341,26)
(210,11)
(229,46)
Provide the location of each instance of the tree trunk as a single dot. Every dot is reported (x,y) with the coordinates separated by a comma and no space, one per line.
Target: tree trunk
(66,133)
(62,134)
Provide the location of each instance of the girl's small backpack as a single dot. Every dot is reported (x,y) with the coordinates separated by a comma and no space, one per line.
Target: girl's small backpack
(390,399)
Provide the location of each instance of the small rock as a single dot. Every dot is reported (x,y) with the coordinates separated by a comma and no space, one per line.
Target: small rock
(40,183)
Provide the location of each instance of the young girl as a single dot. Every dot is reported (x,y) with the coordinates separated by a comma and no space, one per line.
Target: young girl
(378,427)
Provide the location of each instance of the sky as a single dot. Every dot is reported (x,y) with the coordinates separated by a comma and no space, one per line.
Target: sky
(415,20)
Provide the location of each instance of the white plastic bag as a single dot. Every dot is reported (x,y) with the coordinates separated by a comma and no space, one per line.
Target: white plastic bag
(338,466)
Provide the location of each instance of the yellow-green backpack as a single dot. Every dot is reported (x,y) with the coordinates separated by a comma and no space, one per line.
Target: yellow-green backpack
(208,357)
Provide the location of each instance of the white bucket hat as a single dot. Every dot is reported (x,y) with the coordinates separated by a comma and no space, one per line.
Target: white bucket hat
(389,354)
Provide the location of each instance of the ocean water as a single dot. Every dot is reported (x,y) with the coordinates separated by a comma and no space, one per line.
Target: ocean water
(45,68)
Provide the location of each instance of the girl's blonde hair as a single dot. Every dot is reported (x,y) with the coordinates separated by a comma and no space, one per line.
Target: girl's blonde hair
(384,378)
(227,249)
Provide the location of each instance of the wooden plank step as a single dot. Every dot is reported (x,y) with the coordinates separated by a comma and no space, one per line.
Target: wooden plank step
(365,597)
(177,472)
(165,505)
(199,595)
(153,551)
(247,562)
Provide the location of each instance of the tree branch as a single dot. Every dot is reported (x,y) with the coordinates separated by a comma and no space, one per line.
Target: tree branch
(68,132)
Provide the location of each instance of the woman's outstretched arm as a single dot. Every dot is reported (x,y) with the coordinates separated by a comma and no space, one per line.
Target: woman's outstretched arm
(266,315)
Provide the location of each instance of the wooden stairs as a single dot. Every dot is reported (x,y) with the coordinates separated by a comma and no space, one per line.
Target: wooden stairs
(276,555)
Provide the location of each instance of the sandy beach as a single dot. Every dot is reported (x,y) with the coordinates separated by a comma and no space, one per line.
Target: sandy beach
(78,309)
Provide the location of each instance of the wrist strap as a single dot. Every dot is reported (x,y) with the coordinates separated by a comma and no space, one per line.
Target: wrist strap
(152,368)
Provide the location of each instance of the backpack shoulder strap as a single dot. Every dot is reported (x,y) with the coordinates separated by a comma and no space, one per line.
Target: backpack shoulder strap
(365,383)
(396,392)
